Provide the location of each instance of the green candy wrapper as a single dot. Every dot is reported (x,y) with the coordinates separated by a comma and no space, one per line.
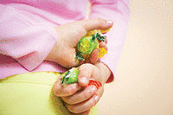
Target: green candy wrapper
(70,76)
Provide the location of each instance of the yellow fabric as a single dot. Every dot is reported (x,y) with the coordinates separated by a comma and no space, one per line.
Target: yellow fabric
(32,94)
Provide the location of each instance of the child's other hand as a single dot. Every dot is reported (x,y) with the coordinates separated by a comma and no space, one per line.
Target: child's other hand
(64,50)
(80,100)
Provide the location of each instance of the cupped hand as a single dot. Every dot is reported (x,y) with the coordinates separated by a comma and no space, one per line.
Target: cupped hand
(79,98)
(68,36)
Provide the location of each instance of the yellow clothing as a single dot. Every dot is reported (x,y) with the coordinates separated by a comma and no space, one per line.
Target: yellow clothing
(32,94)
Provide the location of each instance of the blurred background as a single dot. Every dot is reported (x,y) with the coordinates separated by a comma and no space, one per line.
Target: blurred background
(144,80)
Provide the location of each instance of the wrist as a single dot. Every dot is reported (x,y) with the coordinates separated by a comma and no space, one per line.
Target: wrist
(52,56)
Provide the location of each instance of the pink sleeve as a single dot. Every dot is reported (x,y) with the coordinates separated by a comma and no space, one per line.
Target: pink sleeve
(23,39)
(118,12)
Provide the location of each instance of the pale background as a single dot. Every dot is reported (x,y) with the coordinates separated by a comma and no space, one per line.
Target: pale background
(144,81)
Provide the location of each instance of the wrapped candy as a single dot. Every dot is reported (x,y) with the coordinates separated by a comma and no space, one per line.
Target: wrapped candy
(70,76)
(90,42)
(85,47)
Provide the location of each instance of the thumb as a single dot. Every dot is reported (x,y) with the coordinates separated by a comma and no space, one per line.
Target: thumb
(96,23)
(86,71)
(81,28)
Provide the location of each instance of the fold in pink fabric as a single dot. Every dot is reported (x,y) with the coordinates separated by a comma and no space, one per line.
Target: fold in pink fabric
(27,31)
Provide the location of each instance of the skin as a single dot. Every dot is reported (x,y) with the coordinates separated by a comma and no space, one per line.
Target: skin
(77,99)
(68,37)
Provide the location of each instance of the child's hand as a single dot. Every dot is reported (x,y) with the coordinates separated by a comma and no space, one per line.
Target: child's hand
(78,99)
(64,50)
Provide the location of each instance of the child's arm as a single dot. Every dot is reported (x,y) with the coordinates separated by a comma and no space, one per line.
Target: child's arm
(118,12)
(23,38)
(76,98)
(29,42)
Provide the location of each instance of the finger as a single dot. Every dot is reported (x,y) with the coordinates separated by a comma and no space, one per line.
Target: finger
(83,113)
(86,71)
(84,106)
(94,56)
(97,23)
(60,90)
(103,45)
(81,96)
(76,30)
(100,91)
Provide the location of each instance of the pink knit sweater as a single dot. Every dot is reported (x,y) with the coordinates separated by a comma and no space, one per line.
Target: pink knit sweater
(27,31)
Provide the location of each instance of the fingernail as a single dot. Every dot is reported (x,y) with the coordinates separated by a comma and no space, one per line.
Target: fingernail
(96,98)
(83,79)
(93,89)
(109,22)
